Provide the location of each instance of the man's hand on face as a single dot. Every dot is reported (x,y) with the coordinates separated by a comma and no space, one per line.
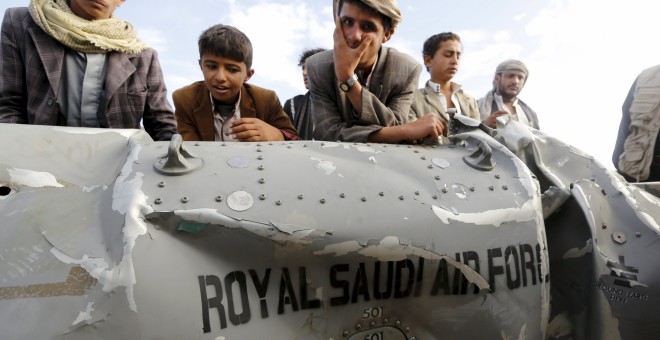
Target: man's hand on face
(254,130)
(490,121)
(345,57)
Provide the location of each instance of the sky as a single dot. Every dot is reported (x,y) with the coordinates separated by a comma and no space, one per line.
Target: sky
(582,55)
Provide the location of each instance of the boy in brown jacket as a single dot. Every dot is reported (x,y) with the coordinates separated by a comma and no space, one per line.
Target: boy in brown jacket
(224,107)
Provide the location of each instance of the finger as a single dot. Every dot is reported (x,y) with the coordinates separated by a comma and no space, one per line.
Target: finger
(364,44)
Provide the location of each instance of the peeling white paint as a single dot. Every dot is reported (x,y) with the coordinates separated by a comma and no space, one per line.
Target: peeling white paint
(623,188)
(491,217)
(373,159)
(390,248)
(85,315)
(126,133)
(561,325)
(331,145)
(327,166)
(562,162)
(575,252)
(94,187)
(34,179)
(340,249)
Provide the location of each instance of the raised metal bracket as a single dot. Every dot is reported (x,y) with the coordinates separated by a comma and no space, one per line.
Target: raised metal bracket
(482,158)
(178,160)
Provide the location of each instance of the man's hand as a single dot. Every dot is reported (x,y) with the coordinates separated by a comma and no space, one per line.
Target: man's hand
(254,130)
(490,120)
(345,56)
(426,129)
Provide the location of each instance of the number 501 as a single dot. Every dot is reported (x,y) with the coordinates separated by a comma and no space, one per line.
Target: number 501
(375,312)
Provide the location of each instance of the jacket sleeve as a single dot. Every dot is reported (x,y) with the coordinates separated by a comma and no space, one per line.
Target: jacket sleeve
(158,116)
(624,127)
(186,126)
(13,96)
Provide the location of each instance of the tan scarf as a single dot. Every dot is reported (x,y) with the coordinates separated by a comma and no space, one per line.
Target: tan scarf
(89,36)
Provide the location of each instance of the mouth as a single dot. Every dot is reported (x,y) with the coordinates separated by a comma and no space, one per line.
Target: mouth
(98,3)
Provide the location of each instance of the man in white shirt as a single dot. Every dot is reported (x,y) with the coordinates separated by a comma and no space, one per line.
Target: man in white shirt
(510,78)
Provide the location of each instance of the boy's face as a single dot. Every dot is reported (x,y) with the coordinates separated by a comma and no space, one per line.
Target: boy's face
(444,64)
(224,77)
(94,9)
(356,25)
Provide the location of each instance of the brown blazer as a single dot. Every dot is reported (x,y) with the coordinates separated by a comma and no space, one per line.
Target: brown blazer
(30,77)
(194,115)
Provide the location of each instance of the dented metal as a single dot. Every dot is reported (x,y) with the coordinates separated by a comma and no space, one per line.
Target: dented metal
(108,234)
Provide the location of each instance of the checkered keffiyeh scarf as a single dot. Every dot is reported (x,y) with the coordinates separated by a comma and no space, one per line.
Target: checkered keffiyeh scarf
(88,36)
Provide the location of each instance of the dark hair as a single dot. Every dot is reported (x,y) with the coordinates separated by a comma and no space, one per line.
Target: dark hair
(387,21)
(432,44)
(308,53)
(226,41)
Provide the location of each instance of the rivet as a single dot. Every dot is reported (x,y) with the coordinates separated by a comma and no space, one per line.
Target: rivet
(497,176)
(505,187)
(270,143)
(604,226)
(423,157)
(161,184)
(437,177)
(358,327)
(345,333)
(258,144)
(224,144)
(304,145)
(386,320)
(184,199)
(342,195)
(397,322)
(262,197)
(300,197)
(262,181)
(444,190)
(491,188)
(322,144)
(417,193)
(409,146)
(261,167)
(322,201)
(401,197)
(472,189)
(278,203)
(260,157)
(288,147)
(412,338)
(259,150)
(372,324)
(158,200)
(431,166)
(381,193)
(435,197)
(218,198)
(416,151)
(364,199)
(638,234)
(196,144)
(407,329)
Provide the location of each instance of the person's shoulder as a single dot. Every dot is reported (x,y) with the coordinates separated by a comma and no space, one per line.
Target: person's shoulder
(18,14)
(258,90)
(320,58)
(188,91)
(402,58)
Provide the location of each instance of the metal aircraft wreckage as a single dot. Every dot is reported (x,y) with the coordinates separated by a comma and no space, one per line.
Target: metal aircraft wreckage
(496,234)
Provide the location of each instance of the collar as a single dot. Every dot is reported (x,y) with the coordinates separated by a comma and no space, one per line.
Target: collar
(455,87)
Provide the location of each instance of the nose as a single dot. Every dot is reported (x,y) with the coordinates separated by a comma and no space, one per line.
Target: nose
(353,36)
(220,75)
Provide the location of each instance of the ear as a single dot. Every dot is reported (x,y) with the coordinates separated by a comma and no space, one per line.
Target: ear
(387,36)
(199,61)
(250,73)
(427,60)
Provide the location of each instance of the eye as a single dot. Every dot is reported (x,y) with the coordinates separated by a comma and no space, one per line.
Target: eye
(368,27)
(347,21)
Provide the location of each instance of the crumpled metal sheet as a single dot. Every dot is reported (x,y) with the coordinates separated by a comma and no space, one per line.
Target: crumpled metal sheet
(336,240)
